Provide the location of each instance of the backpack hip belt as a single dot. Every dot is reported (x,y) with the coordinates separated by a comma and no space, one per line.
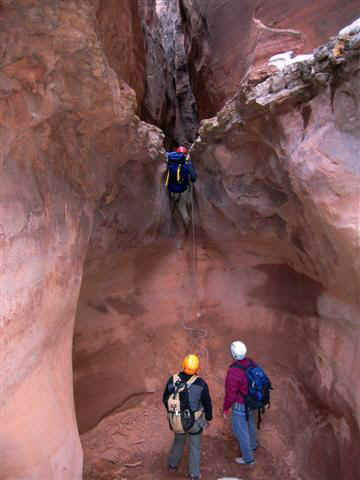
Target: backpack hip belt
(197,414)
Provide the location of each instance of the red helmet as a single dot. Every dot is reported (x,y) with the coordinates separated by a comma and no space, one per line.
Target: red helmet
(181,150)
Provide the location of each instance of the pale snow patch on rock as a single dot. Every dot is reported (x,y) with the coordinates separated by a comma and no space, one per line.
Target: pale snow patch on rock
(351,29)
(282,60)
(229,478)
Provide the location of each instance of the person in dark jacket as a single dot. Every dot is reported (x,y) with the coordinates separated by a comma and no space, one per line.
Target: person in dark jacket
(180,172)
(236,388)
(200,401)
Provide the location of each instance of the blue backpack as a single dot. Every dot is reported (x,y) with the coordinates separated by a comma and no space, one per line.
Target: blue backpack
(258,397)
(179,172)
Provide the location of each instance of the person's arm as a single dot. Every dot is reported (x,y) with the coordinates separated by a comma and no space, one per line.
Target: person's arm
(206,401)
(167,392)
(231,389)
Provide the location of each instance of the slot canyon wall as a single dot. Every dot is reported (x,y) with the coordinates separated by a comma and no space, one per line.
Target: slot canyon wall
(86,231)
(68,125)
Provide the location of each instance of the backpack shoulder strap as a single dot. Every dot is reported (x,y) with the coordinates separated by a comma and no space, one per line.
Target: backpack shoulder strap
(191,380)
(176,380)
(167,177)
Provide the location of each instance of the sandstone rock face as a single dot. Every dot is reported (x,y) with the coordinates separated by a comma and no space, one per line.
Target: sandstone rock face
(279,158)
(275,170)
(65,121)
(169,102)
(272,256)
(229,40)
(119,28)
(158,106)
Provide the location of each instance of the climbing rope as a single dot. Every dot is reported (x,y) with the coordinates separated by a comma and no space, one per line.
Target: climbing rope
(194,307)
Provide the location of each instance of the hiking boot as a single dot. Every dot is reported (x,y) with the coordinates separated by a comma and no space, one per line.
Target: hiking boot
(241,461)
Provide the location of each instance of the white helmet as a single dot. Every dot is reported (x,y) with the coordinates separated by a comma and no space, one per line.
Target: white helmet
(238,350)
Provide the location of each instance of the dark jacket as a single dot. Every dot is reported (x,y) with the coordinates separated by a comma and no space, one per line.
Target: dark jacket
(199,395)
(236,384)
(187,172)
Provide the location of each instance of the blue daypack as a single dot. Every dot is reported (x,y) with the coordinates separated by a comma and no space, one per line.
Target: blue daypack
(179,172)
(258,397)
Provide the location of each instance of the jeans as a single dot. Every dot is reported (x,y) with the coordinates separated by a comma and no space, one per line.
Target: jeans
(244,431)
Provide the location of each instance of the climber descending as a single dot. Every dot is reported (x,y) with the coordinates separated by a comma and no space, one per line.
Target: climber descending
(178,175)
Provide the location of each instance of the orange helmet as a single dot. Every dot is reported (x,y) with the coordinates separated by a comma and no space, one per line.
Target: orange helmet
(181,150)
(191,364)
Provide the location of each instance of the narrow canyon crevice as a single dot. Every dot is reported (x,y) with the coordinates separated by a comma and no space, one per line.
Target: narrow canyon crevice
(102,292)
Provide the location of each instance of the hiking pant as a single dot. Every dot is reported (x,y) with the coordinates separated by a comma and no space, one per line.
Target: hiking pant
(244,430)
(177,451)
(182,202)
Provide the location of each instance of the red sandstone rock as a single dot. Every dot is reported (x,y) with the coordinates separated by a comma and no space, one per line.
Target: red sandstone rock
(120,32)
(230,40)
(287,172)
(65,126)
(80,177)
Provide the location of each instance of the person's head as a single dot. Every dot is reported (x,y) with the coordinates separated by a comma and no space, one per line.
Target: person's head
(238,350)
(182,149)
(191,364)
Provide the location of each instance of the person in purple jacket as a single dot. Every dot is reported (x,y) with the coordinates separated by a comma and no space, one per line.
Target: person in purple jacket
(236,388)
